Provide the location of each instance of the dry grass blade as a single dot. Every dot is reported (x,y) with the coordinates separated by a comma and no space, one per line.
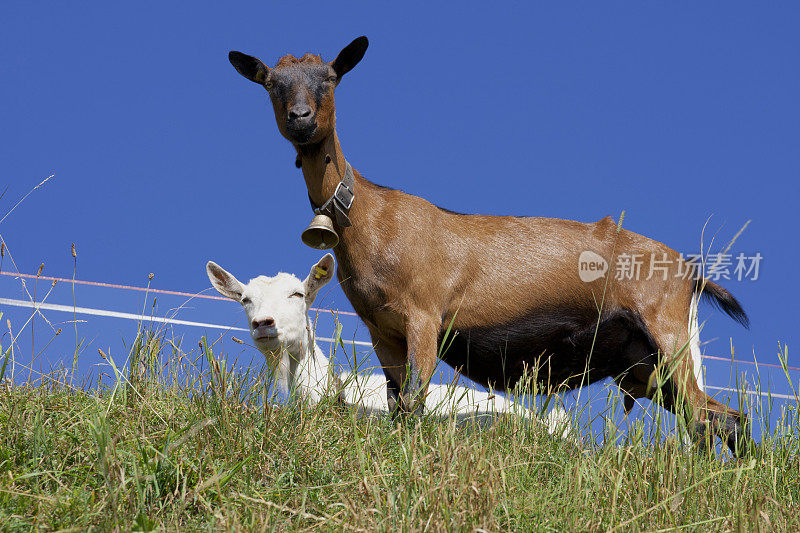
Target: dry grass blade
(24,197)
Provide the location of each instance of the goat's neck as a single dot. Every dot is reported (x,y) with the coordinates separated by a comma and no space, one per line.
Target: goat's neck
(314,372)
(304,371)
(323,167)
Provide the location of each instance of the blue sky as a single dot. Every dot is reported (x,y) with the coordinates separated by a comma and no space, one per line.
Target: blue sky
(164,157)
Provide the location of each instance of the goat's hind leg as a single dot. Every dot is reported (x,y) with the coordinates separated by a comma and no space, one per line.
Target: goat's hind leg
(712,418)
(708,417)
(649,371)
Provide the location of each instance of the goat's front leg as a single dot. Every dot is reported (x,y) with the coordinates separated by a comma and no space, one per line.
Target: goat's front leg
(422,337)
(392,354)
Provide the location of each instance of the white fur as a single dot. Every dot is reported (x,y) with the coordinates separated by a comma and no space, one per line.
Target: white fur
(694,345)
(303,369)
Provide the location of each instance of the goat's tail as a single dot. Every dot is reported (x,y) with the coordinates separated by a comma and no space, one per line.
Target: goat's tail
(722,299)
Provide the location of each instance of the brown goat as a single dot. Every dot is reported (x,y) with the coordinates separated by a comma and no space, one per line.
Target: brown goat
(509,286)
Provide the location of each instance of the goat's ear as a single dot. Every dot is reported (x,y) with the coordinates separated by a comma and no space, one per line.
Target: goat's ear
(320,275)
(225,282)
(248,66)
(350,56)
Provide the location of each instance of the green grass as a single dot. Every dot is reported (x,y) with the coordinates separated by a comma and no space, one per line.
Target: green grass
(193,448)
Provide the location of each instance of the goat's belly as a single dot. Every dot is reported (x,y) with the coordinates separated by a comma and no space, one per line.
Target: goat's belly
(553,349)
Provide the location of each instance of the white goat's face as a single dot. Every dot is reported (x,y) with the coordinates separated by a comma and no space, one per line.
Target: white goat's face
(276,307)
(276,311)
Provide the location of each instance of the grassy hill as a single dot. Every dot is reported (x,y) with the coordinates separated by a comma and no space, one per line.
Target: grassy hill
(195,448)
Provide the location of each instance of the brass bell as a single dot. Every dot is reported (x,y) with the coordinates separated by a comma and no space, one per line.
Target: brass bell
(320,233)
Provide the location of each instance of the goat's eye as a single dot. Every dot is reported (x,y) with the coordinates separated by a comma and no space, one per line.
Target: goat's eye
(245,300)
(331,79)
(269,85)
(298,295)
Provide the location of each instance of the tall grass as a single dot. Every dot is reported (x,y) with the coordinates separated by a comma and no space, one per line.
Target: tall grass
(180,440)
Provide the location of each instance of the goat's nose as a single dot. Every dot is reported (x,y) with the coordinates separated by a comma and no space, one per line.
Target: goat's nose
(264,322)
(299,111)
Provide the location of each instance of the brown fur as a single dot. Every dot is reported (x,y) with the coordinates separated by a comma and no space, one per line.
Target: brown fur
(509,285)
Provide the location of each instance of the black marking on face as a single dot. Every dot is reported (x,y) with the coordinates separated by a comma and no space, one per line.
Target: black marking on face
(323,86)
(305,86)
(285,83)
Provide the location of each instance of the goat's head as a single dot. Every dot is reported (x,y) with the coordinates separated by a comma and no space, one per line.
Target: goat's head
(301,90)
(276,307)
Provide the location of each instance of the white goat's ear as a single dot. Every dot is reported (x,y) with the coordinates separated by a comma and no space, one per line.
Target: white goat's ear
(225,282)
(321,273)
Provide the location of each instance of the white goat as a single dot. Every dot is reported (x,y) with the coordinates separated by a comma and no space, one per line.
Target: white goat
(277,316)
